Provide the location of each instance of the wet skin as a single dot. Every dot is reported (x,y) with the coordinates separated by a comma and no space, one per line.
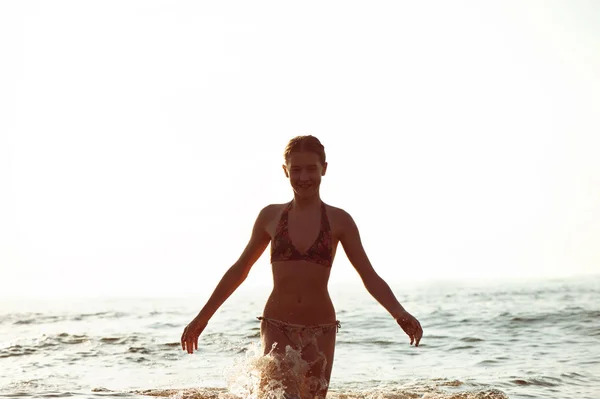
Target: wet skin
(300,294)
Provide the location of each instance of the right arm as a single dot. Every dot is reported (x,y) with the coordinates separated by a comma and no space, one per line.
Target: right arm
(237,273)
(232,279)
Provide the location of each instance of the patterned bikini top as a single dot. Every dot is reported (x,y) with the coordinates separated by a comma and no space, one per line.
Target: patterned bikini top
(320,252)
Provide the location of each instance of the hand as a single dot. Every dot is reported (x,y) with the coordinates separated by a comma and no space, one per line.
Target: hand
(411,327)
(189,338)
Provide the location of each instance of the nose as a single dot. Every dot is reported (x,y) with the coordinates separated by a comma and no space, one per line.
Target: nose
(303,175)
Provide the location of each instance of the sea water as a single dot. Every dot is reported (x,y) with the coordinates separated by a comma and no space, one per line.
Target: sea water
(512,339)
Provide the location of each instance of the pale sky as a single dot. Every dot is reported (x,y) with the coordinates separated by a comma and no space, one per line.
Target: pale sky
(140,139)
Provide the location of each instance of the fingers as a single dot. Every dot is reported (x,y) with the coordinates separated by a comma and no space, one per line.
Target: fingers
(191,333)
(191,342)
(412,328)
(419,333)
(409,331)
(188,342)
(189,345)
(416,332)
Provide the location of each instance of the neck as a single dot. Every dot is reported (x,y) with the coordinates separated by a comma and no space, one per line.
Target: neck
(311,202)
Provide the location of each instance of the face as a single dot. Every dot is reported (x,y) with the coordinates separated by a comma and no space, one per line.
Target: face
(304,169)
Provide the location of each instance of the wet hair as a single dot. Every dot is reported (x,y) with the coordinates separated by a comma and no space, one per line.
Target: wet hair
(305,143)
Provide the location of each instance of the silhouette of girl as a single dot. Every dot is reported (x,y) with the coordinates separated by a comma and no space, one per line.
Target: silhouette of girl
(299,316)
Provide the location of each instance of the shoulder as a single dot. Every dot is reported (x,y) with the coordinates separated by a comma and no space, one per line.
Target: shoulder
(273,208)
(340,217)
(345,229)
(270,212)
(336,212)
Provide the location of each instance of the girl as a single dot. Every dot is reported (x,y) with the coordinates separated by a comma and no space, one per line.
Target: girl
(299,317)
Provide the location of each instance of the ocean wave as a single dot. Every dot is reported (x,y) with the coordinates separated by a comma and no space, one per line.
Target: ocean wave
(100,315)
(461,347)
(17,350)
(540,381)
(32,318)
(430,392)
(568,315)
(132,343)
(471,339)
(42,318)
(121,340)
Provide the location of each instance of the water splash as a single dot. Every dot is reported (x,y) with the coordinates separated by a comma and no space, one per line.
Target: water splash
(256,376)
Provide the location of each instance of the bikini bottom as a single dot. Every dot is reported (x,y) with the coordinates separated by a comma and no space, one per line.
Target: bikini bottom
(301,335)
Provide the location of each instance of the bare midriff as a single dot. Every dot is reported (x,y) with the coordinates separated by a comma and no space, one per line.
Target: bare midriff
(300,294)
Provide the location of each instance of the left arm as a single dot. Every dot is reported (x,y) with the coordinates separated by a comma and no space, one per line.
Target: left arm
(377,287)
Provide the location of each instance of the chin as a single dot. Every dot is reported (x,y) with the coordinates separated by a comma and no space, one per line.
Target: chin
(306,193)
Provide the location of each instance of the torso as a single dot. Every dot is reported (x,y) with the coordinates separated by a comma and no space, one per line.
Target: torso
(300,286)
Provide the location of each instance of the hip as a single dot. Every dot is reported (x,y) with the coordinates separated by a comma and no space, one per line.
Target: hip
(300,309)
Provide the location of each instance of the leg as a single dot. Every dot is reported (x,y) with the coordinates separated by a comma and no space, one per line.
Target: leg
(320,359)
(280,372)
